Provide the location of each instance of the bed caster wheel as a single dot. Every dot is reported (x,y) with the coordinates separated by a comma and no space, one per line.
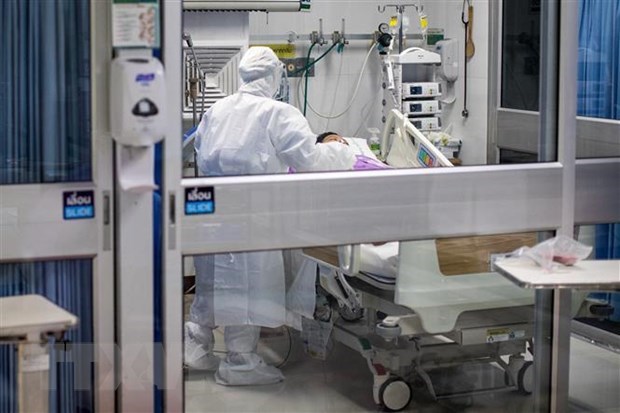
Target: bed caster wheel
(388,332)
(395,394)
(350,315)
(525,378)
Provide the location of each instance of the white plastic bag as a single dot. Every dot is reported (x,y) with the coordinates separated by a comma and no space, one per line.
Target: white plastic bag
(560,249)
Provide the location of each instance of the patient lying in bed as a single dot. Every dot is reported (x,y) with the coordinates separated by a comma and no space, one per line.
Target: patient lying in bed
(362,156)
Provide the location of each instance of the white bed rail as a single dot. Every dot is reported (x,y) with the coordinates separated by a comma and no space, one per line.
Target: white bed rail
(407,147)
(349,258)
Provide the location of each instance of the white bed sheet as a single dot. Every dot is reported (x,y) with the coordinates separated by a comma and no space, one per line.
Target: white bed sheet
(381,260)
(360,147)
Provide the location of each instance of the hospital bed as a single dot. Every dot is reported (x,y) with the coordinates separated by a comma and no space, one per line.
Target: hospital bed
(409,320)
(411,316)
(412,325)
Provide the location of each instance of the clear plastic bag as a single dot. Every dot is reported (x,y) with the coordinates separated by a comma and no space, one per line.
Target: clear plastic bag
(560,249)
(317,337)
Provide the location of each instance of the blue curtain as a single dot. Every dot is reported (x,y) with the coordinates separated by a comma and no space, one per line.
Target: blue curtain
(45,136)
(44,91)
(599,95)
(69,285)
(599,59)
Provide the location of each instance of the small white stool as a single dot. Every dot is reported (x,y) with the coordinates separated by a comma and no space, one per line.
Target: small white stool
(26,321)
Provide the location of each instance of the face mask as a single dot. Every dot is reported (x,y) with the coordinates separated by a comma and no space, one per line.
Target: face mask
(281,81)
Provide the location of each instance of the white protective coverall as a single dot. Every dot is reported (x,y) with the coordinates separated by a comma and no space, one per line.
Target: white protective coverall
(249,133)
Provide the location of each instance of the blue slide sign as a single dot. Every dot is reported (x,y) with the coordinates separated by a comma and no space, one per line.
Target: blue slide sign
(199,200)
(78,204)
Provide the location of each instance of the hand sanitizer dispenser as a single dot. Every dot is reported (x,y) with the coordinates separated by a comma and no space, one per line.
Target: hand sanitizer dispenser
(137,99)
(137,123)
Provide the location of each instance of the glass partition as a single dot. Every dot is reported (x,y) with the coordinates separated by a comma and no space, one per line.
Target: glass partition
(598,122)
(595,342)
(436,69)
(69,285)
(598,100)
(520,54)
(409,325)
(417,325)
(45,92)
(599,64)
(258,214)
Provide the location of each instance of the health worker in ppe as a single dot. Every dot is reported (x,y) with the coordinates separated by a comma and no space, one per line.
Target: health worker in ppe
(248,133)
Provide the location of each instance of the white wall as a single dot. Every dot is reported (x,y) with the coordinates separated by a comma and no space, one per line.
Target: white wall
(329,91)
(217,29)
(336,75)
(473,129)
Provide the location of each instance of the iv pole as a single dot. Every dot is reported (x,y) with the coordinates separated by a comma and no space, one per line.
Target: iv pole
(400,9)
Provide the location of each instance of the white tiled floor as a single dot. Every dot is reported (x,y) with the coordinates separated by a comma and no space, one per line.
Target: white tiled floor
(594,378)
(343,383)
(340,384)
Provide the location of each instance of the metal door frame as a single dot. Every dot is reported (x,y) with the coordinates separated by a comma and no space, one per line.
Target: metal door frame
(596,137)
(33,227)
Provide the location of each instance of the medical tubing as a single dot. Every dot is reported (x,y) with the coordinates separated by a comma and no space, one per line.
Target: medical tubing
(308,70)
(357,87)
(309,65)
(305,74)
(304,69)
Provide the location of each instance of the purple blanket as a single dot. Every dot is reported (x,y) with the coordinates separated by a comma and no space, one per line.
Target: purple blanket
(364,163)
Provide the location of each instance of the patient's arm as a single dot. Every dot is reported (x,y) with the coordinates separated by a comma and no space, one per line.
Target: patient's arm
(366,159)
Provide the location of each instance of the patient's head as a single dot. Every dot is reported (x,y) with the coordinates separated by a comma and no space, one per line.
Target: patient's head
(328,137)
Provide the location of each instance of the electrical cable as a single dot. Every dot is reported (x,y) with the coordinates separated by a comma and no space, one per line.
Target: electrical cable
(369,107)
(290,348)
(331,110)
(357,86)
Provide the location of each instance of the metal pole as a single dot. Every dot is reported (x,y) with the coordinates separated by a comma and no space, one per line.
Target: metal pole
(33,376)
(543,325)
(568,18)
(171,176)
(547,152)
(548,83)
